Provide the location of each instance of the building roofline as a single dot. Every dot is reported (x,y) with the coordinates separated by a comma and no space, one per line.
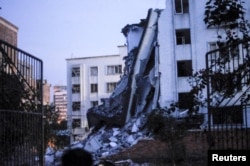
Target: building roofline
(127,27)
(9,23)
(90,57)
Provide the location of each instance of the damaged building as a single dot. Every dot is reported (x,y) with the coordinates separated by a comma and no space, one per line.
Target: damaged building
(163,51)
(138,89)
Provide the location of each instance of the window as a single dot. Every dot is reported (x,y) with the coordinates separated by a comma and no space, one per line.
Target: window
(181,6)
(184,68)
(93,88)
(94,71)
(76,123)
(228,115)
(185,100)
(76,88)
(115,69)
(183,36)
(111,87)
(76,106)
(94,103)
(76,72)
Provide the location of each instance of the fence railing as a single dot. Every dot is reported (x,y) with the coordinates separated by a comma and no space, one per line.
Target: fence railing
(21,110)
(228,91)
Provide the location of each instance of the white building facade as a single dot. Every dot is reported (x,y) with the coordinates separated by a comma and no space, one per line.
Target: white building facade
(89,80)
(179,39)
(184,41)
(60,101)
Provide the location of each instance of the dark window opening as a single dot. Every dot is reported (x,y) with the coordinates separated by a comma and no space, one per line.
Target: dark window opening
(93,88)
(76,106)
(185,100)
(76,88)
(76,123)
(183,36)
(181,6)
(111,87)
(184,68)
(76,72)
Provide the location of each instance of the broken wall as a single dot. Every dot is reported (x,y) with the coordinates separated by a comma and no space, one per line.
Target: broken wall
(138,89)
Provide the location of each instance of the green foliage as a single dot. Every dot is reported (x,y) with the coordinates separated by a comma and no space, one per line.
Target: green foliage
(16,95)
(244,27)
(15,122)
(11,92)
(227,15)
(223,13)
(165,127)
(168,130)
(198,82)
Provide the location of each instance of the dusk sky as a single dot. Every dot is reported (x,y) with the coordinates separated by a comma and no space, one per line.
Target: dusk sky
(54,30)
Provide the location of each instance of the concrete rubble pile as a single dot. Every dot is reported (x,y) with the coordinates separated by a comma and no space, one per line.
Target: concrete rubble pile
(107,141)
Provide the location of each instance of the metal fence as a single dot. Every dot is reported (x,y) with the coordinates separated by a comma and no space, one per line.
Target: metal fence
(21,111)
(228,93)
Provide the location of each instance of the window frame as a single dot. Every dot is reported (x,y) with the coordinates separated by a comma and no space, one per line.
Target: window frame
(76,123)
(114,69)
(93,88)
(110,86)
(184,35)
(75,73)
(76,88)
(94,71)
(183,6)
(76,106)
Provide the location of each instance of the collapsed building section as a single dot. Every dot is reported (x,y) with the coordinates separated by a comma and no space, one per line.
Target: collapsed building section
(138,89)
